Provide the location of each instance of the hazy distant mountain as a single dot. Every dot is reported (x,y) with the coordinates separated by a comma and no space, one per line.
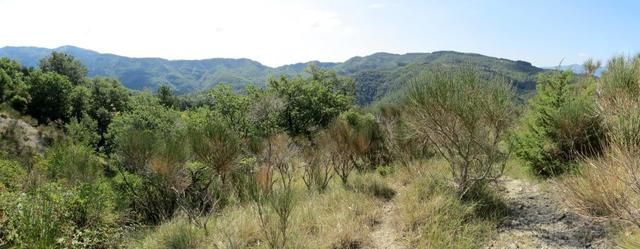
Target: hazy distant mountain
(578,69)
(376,75)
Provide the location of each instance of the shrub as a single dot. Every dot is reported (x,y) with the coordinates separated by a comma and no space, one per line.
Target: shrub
(12,176)
(560,127)
(618,100)
(274,212)
(54,216)
(607,186)
(311,103)
(342,142)
(400,145)
(74,163)
(317,169)
(464,118)
(374,186)
(275,203)
(370,147)
(434,216)
(213,142)
(184,236)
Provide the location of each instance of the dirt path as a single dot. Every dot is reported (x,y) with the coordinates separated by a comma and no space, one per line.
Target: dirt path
(536,221)
(385,235)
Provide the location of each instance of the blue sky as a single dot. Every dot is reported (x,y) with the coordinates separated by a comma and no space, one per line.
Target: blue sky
(286,31)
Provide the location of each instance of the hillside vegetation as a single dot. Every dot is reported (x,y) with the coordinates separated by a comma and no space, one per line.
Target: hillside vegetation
(453,162)
(376,75)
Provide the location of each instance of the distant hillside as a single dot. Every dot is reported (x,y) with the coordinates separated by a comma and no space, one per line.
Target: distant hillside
(376,75)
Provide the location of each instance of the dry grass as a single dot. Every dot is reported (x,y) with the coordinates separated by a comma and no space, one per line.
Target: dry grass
(429,213)
(608,186)
(433,215)
(339,218)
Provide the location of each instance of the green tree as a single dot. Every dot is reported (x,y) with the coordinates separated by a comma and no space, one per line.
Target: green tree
(13,88)
(50,96)
(81,101)
(66,65)
(108,98)
(311,103)
(134,135)
(165,94)
(560,126)
(234,108)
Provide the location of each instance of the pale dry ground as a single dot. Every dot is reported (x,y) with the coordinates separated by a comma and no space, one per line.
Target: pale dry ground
(385,234)
(537,221)
(27,138)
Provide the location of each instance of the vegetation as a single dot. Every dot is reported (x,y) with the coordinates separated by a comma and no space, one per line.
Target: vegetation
(86,163)
(561,125)
(607,186)
(375,76)
(464,118)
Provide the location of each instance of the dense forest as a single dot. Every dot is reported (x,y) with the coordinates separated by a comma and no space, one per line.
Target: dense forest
(375,76)
(383,151)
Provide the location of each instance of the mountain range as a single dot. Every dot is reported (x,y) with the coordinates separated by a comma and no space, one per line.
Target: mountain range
(376,76)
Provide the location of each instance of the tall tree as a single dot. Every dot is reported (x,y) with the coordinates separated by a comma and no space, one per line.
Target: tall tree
(108,97)
(66,65)
(50,96)
(311,103)
(13,88)
(165,94)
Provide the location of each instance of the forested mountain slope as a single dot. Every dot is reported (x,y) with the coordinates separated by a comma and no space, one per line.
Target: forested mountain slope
(376,75)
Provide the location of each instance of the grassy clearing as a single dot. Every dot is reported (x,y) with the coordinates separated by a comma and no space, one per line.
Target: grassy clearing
(338,218)
(429,211)
(433,215)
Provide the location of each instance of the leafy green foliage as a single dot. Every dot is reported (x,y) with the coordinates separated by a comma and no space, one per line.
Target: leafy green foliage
(13,88)
(108,98)
(233,107)
(54,216)
(560,127)
(165,94)
(64,64)
(310,104)
(619,100)
(50,97)
(376,76)
(74,163)
(83,131)
(12,176)
(213,141)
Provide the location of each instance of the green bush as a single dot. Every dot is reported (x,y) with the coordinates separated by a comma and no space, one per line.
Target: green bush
(74,163)
(432,211)
(12,176)
(464,118)
(619,101)
(373,186)
(54,216)
(560,127)
(184,236)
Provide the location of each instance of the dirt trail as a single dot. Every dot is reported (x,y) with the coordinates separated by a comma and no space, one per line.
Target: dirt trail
(385,235)
(536,221)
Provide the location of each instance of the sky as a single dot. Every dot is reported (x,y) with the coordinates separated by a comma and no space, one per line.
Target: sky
(279,32)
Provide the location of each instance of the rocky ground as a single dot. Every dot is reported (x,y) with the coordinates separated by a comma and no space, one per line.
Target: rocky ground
(537,221)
